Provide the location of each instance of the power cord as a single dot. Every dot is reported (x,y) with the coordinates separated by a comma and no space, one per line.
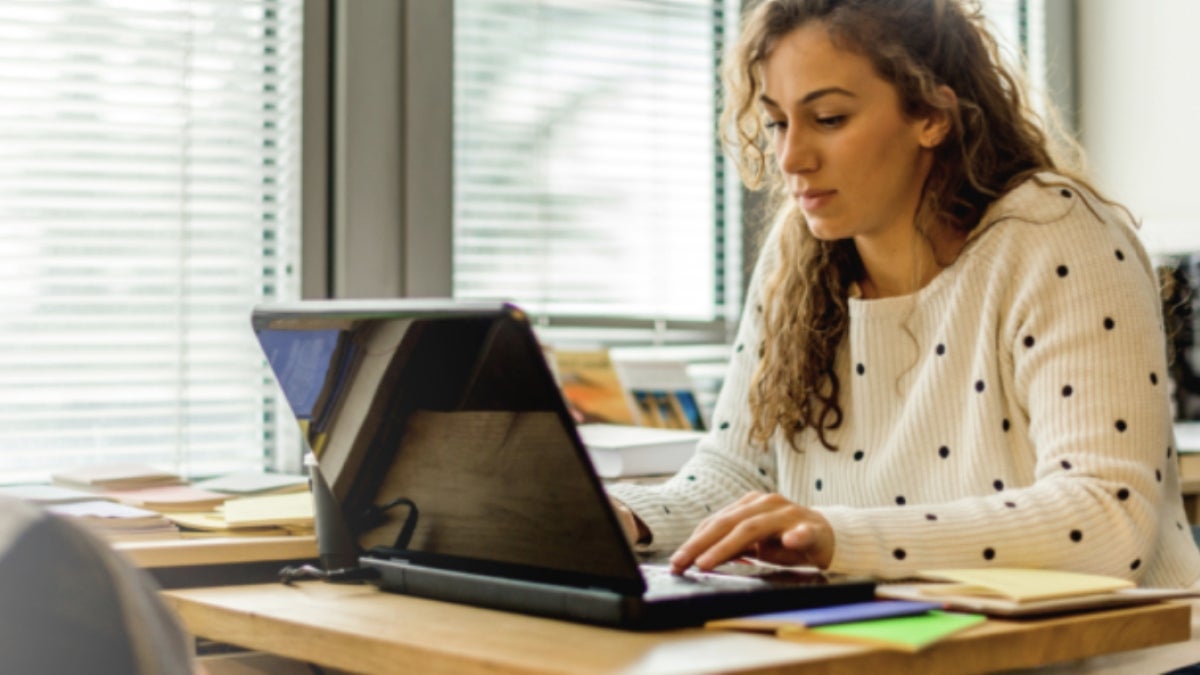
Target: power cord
(293,573)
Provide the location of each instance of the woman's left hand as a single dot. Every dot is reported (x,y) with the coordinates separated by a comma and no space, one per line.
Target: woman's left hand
(766,526)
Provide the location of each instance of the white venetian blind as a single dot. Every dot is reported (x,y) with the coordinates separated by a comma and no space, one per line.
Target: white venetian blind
(587,179)
(149,164)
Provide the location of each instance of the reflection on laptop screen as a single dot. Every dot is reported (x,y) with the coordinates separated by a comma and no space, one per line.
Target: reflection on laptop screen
(459,415)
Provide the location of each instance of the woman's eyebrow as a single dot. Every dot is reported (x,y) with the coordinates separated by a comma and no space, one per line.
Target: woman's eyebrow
(810,96)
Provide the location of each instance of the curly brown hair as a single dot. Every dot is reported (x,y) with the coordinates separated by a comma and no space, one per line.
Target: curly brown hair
(995,142)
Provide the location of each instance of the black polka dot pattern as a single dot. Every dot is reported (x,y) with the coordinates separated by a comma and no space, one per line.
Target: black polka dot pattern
(1029,341)
(941,350)
(930,516)
(1005,425)
(1067,390)
(1135,564)
(1120,254)
(741,347)
(1011,505)
(943,452)
(1062,271)
(1109,324)
(1121,426)
(858,455)
(1154,378)
(692,477)
(989,553)
(819,484)
(900,500)
(724,426)
(1076,536)
(998,484)
(860,369)
(1158,475)
(899,554)
(1123,494)
(980,386)
(1065,193)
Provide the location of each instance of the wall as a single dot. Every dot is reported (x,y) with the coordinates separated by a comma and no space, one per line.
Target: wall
(1140,111)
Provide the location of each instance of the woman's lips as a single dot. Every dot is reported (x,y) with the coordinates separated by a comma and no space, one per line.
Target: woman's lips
(811,200)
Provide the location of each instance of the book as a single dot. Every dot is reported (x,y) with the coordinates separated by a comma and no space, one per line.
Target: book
(114,476)
(255,483)
(904,633)
(591,386)
(47,494)
(823,616)
(662,392)
(1026,592)
(625,450)
(170,498)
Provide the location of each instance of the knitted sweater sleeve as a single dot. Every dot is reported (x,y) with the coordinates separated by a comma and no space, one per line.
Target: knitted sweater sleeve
(1081,338)
(725,466)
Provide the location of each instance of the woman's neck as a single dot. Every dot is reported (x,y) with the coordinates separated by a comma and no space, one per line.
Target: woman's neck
(904,265)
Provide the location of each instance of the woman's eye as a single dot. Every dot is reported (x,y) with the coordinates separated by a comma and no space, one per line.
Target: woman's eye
(831,121)
(775,125)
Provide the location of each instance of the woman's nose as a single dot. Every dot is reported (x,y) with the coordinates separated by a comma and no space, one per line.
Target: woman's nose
(795,153)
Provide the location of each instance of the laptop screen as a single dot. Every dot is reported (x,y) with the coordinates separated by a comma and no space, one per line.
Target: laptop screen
(447,413)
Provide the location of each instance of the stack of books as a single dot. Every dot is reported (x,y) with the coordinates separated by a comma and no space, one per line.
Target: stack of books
(116,521)
(126,502)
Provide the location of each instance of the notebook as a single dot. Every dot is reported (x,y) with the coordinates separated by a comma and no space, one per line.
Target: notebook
(446,461)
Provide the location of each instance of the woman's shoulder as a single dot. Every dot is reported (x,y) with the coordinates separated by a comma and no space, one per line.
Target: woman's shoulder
(1049,212)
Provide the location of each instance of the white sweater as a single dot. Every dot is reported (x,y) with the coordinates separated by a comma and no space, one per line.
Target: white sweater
(1013,412)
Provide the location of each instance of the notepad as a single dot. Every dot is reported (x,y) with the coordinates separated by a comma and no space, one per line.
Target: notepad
(905,633)
(1020,584)
(823,616)
(272,510)
(1027,592)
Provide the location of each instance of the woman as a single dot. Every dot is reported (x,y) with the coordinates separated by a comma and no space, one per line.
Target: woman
(952,352)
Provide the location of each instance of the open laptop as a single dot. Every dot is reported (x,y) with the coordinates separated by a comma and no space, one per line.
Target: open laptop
(449,463)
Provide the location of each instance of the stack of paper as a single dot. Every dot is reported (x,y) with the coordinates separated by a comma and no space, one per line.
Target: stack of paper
(104,477)
(178,498)
(290,513)
(255,483)
(119,522)
(903,625)
(1025,592)
(620,450)
(47,494)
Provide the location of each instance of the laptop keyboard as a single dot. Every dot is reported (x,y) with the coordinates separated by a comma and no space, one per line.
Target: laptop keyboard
(661,583)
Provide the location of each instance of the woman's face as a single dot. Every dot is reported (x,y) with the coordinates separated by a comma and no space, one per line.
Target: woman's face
(853,162)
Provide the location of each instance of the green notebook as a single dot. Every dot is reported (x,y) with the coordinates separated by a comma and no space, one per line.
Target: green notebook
(905,633)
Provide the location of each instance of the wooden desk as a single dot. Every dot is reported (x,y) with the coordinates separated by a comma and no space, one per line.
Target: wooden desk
(178,563)
(359,628)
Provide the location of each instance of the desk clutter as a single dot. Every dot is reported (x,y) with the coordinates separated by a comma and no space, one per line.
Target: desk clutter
(133,502)
(912,616)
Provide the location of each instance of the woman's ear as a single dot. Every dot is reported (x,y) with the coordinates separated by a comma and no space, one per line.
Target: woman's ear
(937,126)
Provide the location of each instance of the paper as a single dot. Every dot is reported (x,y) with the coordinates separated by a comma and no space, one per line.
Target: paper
(824,616)
(906,633)
(1020,584)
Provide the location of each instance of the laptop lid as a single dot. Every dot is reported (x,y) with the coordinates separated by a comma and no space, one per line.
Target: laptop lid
(443,437)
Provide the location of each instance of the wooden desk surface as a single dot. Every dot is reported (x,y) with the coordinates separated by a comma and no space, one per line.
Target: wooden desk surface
(359,628)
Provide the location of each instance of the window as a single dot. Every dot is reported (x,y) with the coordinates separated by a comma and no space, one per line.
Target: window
(148,191)
(588,180)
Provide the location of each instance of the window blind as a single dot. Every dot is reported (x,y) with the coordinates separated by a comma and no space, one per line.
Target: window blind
(587,178)
(149,165)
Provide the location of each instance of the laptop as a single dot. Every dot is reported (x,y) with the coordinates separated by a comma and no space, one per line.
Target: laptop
(448,467)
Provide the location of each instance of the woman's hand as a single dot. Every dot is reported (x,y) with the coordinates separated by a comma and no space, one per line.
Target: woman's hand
(635,530)
(765,526)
